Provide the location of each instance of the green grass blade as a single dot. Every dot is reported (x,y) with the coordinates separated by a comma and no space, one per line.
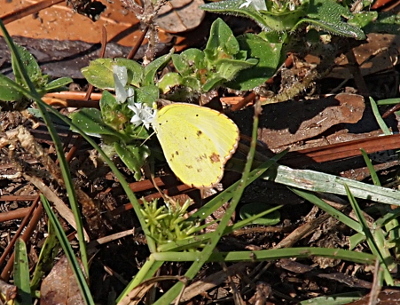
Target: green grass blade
(62,237)
(326,183)
(379,118)
(248,221)
(46,258)
(389,216)
(355,240)
(148,270)
(57,143)
(389,101)
(21,274)
(272,254)
(227,194)
(374,175)
(335,299)
(384,258)
(329,209)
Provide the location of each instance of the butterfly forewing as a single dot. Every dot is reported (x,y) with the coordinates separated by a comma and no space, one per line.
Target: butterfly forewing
(196,141)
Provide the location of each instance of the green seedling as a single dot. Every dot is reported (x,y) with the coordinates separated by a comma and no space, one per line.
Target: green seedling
(41,81)
(201,71)
(287,16)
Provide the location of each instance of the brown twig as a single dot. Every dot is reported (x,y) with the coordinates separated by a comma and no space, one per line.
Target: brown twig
(355,70)
(138,43)
(14,214)
(341,150)
(29,225)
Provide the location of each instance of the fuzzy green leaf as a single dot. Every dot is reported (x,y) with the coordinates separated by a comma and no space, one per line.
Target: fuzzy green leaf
(99,73)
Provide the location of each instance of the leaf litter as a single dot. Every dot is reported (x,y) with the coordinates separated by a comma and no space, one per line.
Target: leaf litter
(296,125)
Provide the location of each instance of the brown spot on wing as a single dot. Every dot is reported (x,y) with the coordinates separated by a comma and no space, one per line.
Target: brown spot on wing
(201,157)
(215,158)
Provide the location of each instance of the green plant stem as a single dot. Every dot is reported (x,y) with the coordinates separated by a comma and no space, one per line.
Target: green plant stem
(149,268)
(273,254)
(373,239)
(379,118)
(21,273)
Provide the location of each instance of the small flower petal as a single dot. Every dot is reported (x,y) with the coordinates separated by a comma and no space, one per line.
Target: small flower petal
(257,4)
(120,75)
(143,114)
(245,4)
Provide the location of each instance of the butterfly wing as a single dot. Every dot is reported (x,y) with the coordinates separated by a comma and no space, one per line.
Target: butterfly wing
(196,141)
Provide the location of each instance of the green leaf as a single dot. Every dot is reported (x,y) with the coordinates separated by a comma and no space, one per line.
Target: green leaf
(200,71)
(192,82)
(269,57)
(229,68)
(387,23)
(213,82)
(21,274)
(221,43)
(31,66)
(362,19)
(328,15)
(272,20)
(147,94)
(261,213)
(169,81)
(134,156)
(91,122)
(99,73)
(114,114)
(8,93)
(47,255)
(193,59)
(322,14)
(151,69)
(57,83)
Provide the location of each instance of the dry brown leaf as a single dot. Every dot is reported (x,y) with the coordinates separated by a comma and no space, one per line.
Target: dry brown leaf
(381,52)
(180,15)
(60,286)
(289,122)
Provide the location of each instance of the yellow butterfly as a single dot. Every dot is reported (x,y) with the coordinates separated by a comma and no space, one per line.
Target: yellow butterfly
(196,141)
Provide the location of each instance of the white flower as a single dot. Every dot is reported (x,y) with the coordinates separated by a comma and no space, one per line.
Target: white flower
(257,4)
(246,4)
(120,75)
(143,114)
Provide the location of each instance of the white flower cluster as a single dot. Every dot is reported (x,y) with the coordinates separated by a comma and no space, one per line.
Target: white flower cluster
(143,114)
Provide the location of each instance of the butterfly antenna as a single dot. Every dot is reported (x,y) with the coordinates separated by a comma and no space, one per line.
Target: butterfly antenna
(148,138)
